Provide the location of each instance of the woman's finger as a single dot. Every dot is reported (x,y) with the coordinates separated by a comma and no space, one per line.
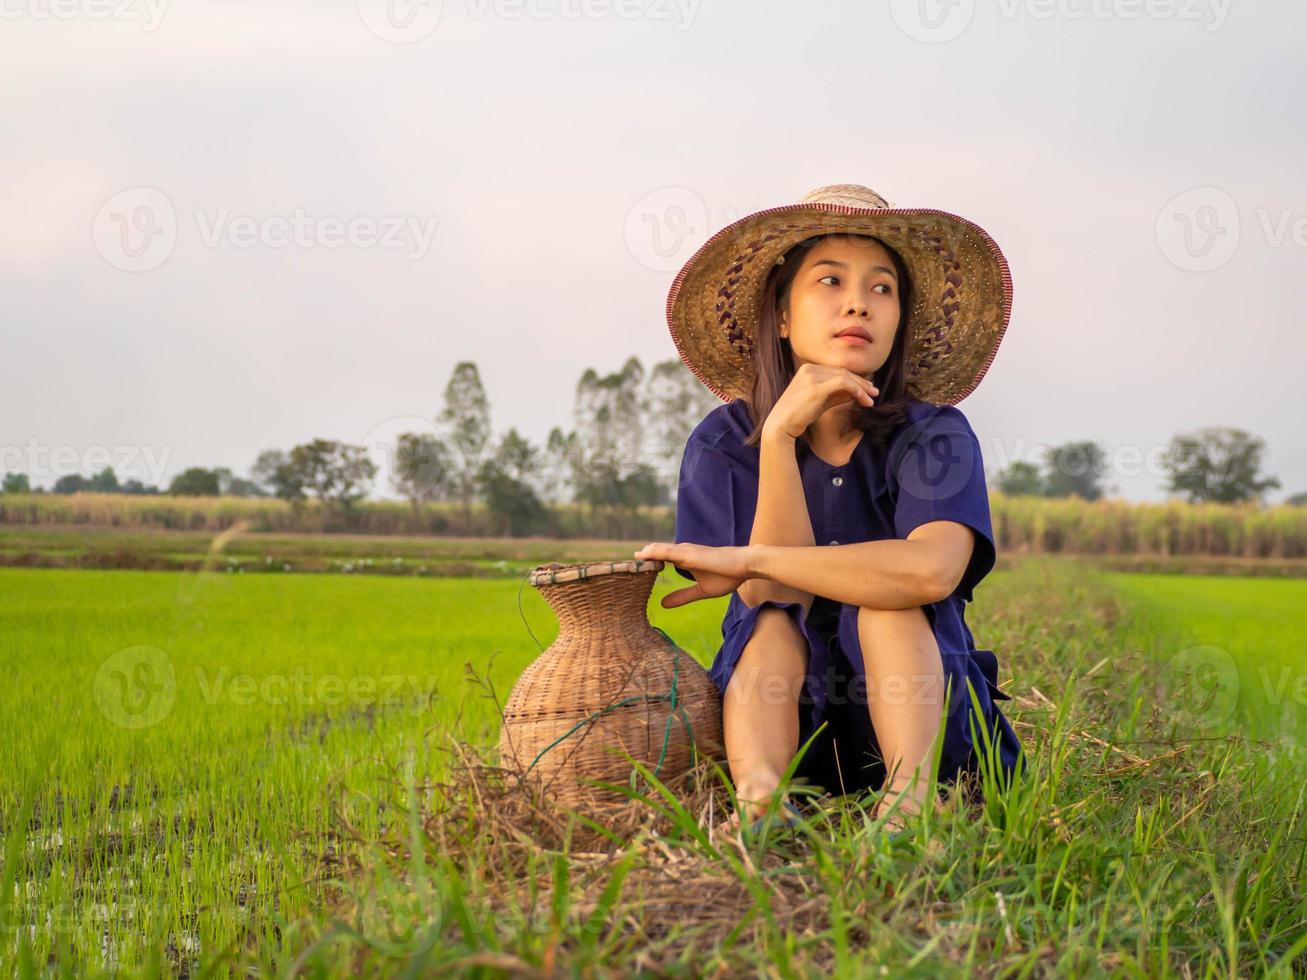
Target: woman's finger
(682,596)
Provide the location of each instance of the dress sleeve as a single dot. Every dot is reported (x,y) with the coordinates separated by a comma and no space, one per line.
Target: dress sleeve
(940,476)
(707,508)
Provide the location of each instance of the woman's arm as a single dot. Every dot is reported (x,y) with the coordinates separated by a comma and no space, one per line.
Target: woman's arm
(891,574)
(927,566)
(781,517)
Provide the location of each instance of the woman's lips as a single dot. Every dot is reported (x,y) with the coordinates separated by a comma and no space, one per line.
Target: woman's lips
(853,338)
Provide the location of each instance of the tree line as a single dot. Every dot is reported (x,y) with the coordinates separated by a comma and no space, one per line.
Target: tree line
(1213,465)
(621,452)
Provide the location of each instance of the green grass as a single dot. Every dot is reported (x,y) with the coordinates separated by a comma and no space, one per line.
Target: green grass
(1143,844)
(93,546)
(1238,642)
(63,546)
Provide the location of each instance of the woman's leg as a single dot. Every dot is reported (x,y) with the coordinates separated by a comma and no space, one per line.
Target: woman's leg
(905,697)
(760,709)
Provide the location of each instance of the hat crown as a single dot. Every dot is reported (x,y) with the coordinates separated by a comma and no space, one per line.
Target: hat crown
(848,195)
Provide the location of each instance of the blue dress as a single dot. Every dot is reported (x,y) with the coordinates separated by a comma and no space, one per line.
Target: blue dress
(930,470)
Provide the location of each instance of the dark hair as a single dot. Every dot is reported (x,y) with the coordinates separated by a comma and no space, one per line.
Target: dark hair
(774,361)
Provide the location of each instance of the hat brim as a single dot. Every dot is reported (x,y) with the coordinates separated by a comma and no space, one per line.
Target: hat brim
(962,293)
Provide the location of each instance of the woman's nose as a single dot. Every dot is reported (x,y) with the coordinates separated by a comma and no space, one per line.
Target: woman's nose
(857,306)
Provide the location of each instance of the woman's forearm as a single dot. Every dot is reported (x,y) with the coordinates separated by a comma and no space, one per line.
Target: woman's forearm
(889,574)
(781,518)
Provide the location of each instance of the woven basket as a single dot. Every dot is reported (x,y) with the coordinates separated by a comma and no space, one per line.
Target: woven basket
(609,683)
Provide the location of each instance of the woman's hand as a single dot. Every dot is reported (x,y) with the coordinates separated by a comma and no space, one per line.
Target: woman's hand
(717,571)
(813,390)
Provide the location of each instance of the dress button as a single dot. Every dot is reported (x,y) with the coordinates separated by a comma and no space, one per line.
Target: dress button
(838,481)
(834,542)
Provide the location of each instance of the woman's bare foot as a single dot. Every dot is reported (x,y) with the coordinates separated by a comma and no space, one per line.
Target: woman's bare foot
(751,810)
(905,799)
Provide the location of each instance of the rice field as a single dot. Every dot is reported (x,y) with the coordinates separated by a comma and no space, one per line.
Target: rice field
(1038,525)
(191,763)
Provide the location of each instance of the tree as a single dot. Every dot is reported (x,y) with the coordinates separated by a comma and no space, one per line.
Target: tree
(230,485)
(1298,500)
(423,468)
(273,472)
(137,488)
(674,402)
(72,483)
(1075,469)
(466,417)
(558,466)
(1022,480)
(195,482)
(1216,464)
(505,481)
(16,483)
(334,471)
(106,481)
(610,437)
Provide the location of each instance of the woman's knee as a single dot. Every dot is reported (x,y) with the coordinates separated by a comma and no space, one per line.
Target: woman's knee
(775,657)
(914,617)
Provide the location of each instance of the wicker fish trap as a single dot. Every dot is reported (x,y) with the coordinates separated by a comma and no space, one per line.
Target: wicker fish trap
(610,683)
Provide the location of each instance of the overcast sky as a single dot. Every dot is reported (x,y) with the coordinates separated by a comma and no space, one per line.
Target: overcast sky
(228,226)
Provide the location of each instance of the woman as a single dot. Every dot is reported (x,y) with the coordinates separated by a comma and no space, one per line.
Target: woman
(839,497)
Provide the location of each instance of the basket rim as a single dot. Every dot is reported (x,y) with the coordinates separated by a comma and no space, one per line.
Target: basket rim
(555,572)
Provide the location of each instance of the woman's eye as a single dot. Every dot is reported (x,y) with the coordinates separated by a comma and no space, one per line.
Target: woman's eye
(886,286)
(824,278)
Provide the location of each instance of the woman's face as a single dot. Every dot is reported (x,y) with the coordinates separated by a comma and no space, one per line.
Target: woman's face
(845,287)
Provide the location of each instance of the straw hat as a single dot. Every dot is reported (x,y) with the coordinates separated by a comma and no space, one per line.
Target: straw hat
(962,289)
